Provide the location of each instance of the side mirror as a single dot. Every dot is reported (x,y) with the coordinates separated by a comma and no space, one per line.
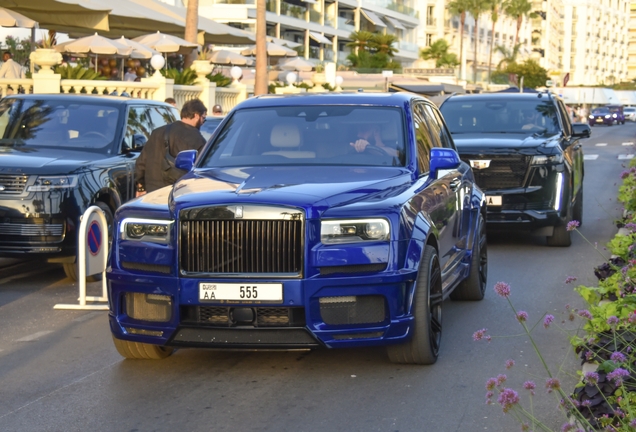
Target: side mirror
(138,142)
(185,160)
(443,159)
(581,130)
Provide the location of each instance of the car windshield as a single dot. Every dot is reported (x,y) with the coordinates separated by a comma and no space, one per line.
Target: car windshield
(598,111)
(58,123)
(629,110)
(208,127)
(529,116)
(309,135)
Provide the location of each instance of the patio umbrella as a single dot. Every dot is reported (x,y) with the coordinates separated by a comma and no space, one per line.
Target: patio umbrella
(165,43)
(283,42)
(9,18)
(94,44)
(296,64)
(273,50)
(63,15)
(139,51)
(226,57)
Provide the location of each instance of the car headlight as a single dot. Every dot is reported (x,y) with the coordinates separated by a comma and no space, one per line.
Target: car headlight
(591,116)
(607,116)
(614,115)
(542,159)
(148,230)
(47,183)
(354,231)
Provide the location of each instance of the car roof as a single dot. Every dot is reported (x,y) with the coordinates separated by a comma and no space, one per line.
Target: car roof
(397,99)
(114,100)
(502,96)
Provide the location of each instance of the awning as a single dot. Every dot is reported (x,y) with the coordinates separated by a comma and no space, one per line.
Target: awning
(395,23)
(319,38)
(373,18)
(63,15)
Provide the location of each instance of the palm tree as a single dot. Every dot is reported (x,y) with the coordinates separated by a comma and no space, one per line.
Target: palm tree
(360,40)
(509,56)
(518,9)
(495,9)
(459,8)
(260,77)
(191,30)
(438,51)
(383,43)
(476,8)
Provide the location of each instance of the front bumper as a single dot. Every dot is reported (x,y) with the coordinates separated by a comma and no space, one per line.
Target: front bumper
(601,120)
(379,315)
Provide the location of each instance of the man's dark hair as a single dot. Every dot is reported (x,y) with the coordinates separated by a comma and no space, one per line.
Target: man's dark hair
(192,107)
(168,100)
(7,53)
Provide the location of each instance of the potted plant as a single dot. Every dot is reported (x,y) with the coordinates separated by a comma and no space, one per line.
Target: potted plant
(45,55)
(202,65)
(319,77)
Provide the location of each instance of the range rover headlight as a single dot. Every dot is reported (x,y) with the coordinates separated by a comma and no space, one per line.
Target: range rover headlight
(47,183)
(148,230)
(607,116)
(614,115)
(591,116)
(354,231)
(543,160)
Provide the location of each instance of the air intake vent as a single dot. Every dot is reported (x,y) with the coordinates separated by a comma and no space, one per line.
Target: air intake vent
(352,310)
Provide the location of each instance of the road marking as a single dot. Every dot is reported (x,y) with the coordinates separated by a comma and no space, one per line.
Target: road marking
(34,336)
(86,317)
(628,144)
(590,157)
(625,156)
(601,144)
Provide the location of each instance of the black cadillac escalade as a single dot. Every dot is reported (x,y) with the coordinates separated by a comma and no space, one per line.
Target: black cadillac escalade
(526,156)
(60,154)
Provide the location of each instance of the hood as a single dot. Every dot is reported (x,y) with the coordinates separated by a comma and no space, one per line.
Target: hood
(317,187)
(504,143)
(33,160)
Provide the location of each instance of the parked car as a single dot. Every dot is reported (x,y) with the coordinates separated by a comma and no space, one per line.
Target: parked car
(209,126)
(531,170)
(617,113)
(60,155)
(630,113)
(601,115)
(283,235)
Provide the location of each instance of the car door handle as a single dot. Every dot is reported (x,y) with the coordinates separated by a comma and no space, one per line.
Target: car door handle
(455,183)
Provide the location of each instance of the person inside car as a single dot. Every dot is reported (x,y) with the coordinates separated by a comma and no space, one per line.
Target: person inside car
(530,120)
(369,135)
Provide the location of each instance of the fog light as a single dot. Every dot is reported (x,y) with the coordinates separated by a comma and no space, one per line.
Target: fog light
(144,332)
(148,307)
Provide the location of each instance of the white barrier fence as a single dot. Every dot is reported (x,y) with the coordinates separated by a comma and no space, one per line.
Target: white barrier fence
(15,85)
(140,90)
(184,93)
(92,258)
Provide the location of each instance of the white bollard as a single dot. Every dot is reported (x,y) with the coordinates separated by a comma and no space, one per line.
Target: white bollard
(92,258)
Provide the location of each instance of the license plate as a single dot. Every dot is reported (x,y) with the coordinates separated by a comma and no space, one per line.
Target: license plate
(244,292)
(599,120)
(493,200)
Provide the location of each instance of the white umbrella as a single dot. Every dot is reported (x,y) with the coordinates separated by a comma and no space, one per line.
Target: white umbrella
(226,57)
(165,43)
(9,18)
(283,42)
(95,44)
(139,51)
(273,50)
(296,64)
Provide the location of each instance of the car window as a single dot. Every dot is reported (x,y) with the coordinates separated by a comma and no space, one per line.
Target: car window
(209,126)
(423,141)
(489,115)
(565,118)
(143,119)
(309,135)
(445,136)
(58,123)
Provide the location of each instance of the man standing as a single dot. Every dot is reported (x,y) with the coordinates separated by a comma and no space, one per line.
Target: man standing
(154,168)
(10,68)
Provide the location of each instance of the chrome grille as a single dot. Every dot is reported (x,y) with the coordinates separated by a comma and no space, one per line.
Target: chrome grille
(241,246)
(12,184)
(504,172)
(31,230)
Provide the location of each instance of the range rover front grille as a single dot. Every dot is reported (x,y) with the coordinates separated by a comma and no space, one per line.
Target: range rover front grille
(241,246)
(11,184)
(504,172)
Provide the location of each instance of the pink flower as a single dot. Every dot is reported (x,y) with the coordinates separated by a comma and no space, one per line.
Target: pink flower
(570,279)
(479,334)
(591,378)
(617,375)
(552,384)
(530,385)
(510,363)
(548,320)
(501,378)
(617,357)
(491,384)
(613,320)
(572,225)
(507,399)
(522,316)
(502,289)
(585,314)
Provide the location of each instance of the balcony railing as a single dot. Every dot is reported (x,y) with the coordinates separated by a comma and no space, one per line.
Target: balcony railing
(394,6)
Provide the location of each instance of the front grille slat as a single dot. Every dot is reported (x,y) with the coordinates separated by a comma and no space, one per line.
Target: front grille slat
(12,184)
(241,246)
(31,230)
(504,172)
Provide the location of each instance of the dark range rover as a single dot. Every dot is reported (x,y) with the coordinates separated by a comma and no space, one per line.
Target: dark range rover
(60,154)
(526,156)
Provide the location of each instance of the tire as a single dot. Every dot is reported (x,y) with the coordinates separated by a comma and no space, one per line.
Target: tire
(70,269)
(423,346)
(560,237)
(577,212)
(141,351)
(473,287)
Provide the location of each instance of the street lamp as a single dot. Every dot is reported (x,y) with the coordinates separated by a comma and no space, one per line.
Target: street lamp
(387,74)
(235,73)
(157,62)
(339,81)
(291,78)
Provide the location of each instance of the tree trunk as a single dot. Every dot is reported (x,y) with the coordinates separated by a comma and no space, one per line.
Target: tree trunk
(462,20)
(261,79)
(475,53)
(492,44)
(191,30)
(519,22)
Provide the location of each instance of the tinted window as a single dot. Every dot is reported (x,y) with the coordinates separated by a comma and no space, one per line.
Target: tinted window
(61,124)
(143,119)
(466,115)
(310,135)
(211,123)
(423,141)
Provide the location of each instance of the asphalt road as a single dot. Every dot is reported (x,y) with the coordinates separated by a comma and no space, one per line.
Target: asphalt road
(60,372)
